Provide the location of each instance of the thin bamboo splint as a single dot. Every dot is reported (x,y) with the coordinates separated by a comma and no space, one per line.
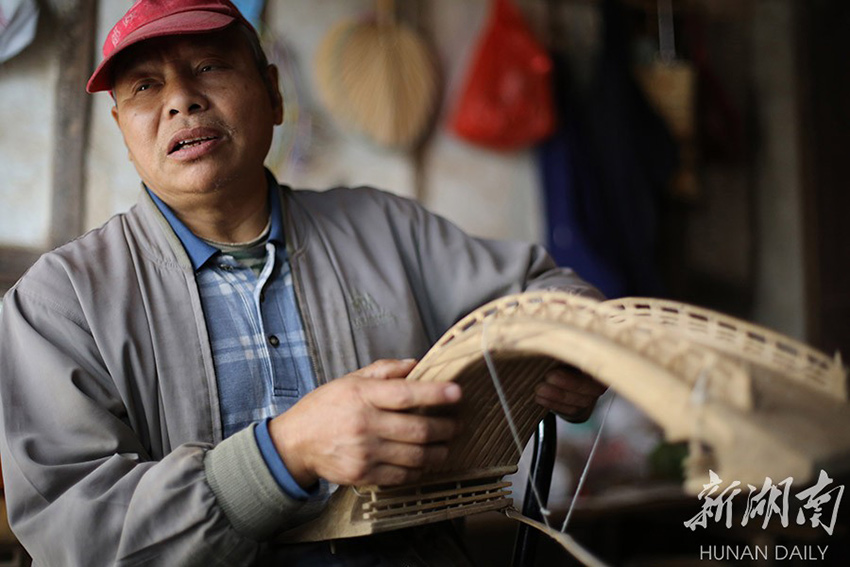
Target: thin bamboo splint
(752,402)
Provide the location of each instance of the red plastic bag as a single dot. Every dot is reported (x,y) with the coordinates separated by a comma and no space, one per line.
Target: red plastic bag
(507,101)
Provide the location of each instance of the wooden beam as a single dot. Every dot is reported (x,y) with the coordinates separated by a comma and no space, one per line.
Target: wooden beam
(77,20)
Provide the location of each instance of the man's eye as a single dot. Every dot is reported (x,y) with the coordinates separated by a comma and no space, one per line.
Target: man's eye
(142,87)
(206,68)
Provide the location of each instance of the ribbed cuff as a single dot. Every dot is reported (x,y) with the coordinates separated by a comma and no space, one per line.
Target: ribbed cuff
(277,467)
(245,488)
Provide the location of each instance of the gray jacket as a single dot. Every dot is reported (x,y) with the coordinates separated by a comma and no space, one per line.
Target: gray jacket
(111,439)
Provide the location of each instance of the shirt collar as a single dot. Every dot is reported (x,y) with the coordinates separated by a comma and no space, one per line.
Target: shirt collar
(276,230)
(198,250)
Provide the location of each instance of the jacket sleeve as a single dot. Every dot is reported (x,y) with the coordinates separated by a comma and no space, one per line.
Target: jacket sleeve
(81,487)
(461,272)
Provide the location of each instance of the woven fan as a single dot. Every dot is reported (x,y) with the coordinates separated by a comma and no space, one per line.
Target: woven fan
(379,78)
(753,403)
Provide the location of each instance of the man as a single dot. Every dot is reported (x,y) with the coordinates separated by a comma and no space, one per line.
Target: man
(160,402)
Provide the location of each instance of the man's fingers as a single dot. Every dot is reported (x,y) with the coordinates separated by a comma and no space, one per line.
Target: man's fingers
(575,381)
(411,456)
(570,393)
(557,395)
(389,475)
(401,463)
(387,368)
(411,428)
(404,395)
(568,411)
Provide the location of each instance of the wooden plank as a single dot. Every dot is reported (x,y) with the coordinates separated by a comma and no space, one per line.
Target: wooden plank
(78,21)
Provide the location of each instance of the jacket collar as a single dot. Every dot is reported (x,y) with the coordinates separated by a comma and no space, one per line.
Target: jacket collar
(199,251)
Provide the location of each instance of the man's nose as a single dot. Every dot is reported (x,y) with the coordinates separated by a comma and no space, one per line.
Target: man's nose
(184,96)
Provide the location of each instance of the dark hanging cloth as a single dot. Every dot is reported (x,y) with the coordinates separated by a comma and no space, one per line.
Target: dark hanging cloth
(568,177)
(605,172)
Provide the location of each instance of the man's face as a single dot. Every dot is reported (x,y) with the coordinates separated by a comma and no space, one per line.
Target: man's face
(195,112)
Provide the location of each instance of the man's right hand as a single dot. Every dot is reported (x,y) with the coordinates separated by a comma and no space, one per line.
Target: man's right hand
(355,430)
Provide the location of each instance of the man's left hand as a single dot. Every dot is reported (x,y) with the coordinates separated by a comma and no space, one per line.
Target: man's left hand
(570,393)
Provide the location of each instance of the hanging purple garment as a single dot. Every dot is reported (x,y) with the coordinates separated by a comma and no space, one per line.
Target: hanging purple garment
(605,178)
(567,175)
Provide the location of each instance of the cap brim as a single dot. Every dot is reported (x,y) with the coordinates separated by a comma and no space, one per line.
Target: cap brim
(175,24)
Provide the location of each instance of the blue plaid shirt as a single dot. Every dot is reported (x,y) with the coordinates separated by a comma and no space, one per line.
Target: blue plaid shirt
(259,347)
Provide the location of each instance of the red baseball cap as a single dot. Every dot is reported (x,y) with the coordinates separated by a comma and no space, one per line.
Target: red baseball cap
(157,18)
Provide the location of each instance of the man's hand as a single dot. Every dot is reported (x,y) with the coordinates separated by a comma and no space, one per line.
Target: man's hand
(569,392)
(354,430)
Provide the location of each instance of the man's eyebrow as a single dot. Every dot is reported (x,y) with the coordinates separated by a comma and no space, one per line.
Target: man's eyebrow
(134,71)
(144,64)
(129,75)
(134,66)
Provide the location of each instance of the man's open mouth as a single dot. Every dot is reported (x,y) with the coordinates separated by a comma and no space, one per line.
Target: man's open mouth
(189,138)
(189,143)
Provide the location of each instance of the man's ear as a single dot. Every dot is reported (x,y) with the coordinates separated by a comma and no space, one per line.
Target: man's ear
(116,117)
(273,86)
